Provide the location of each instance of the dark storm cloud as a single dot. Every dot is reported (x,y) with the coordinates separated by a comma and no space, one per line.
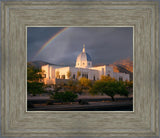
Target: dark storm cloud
(104,44)
(36,37)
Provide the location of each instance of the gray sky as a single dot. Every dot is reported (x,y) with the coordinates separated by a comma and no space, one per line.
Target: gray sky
(105,45)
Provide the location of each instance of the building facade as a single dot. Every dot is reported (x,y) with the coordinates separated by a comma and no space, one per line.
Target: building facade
(83,68)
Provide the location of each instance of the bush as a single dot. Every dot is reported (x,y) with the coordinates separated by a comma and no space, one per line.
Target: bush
(64,96)
(35,88)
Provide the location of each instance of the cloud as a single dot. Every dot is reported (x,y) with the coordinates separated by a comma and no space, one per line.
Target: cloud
(104,44)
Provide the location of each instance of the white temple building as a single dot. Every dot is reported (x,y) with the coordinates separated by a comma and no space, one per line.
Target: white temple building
(55,74)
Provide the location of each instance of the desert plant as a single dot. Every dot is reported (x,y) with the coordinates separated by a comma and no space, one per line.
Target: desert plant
(66,96)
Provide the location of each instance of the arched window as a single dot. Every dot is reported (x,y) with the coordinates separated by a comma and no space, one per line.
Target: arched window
(74,76)
(94,78)
(63,77)
(120,79)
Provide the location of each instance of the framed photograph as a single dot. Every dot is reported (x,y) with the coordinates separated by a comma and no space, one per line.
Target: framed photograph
(63,76)
(80,69)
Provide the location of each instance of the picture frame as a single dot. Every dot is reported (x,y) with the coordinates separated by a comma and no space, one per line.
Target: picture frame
(143,121)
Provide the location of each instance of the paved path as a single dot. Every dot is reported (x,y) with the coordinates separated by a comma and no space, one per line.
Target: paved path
(79,97)
(92,106)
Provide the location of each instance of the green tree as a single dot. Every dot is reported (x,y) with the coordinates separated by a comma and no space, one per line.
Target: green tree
(129,84)
(35,88)
(64,96)
(34,76)
(33,73)
(110,88)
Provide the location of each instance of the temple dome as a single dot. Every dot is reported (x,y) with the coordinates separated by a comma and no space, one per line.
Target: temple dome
(83,59)
(83,56)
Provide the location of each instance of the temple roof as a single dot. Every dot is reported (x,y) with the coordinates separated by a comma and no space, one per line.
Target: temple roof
(83,56)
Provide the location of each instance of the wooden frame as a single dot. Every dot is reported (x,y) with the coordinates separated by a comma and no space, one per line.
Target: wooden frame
(143,16)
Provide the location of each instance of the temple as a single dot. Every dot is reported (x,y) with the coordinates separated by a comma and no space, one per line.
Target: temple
(83,68)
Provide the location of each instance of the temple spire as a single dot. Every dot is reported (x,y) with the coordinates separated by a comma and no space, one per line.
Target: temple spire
(83,48)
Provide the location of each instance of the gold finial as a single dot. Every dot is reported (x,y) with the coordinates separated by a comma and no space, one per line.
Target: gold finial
(83,47)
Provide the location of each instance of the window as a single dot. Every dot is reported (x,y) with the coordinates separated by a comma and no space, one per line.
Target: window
(94,78)
(88,64)
(63,77)
(85,75)
(74,76)
(83,63)
(102,71)
(120,79)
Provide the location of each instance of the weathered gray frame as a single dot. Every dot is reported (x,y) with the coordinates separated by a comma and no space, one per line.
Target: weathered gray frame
(143,16)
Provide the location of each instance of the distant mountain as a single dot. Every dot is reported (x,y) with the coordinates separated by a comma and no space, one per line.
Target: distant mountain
(124,66)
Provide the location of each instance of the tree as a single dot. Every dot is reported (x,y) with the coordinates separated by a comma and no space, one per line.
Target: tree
(35,88)
(66,96)
(110,88)
(85,83)
(107,78)
(33,73)
(78,74)
(73,86)
(122,90)
(68,74)
(129,84)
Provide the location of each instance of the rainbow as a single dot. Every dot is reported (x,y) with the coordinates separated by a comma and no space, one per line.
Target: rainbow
(49,41)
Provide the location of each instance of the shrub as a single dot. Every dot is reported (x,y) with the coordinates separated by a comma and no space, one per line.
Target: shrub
(35,88)
(64,96)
